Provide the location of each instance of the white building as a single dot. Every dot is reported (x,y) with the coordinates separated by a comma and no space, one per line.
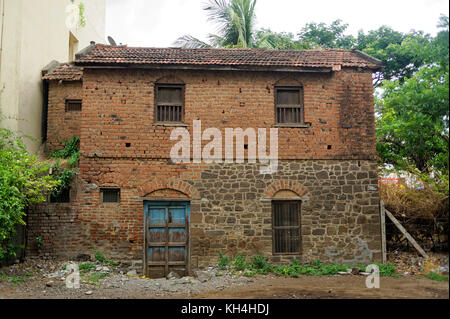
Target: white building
(33,33)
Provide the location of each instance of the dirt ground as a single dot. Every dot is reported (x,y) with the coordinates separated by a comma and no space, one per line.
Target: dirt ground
(341,287)
(210,284)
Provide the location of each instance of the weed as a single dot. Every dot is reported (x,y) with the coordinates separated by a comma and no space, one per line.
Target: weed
(224,261)
(96,276)
(435,276)
(16,280)
(86,267)
(239,262)
(112,263)
(3,276)
(39,242)
(260,264)
(69,150)
(386,270)
(249,274)
(100,257)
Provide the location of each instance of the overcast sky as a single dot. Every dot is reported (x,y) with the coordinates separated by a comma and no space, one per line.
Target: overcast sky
(158,23)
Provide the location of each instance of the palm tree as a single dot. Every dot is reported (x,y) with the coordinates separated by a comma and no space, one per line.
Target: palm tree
(235,20)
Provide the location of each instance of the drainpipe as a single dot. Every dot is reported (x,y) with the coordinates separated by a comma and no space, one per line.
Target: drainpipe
(44,111)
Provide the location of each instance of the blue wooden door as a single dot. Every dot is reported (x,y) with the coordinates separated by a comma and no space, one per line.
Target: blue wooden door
(167,238)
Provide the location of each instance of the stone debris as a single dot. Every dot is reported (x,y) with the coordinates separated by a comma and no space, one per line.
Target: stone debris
(355,271)
(173,275)
(90,292)
(56,274)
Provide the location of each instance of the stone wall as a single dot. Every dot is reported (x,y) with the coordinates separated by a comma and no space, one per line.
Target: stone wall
(230,210)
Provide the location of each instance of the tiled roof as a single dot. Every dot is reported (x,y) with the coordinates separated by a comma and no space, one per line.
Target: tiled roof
(65,72)
(99,54)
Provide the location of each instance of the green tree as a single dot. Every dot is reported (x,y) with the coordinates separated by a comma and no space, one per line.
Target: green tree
(23,181)
(402,54)
(235,20)
(327,36)
(265,38)
(413,115)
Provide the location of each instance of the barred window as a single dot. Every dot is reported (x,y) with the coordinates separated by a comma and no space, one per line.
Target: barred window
(169,103)
(286,227)
(110,195)
(289,105)
(73,105)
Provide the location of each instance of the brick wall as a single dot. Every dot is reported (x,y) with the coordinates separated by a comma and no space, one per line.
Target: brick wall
(119,109)
(62,125)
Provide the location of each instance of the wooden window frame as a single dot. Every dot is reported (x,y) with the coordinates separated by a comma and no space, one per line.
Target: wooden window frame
(68,101)
(103,189)
(165,85)
(299,227)
(300,106)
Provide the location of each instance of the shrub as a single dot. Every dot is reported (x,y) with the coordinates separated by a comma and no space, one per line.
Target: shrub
(23,181)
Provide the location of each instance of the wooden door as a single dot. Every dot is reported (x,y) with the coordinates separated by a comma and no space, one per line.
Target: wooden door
(167,238)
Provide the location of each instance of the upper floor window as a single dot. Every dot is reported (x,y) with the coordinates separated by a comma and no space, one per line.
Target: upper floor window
(73,105)
(169,106)
(289,105)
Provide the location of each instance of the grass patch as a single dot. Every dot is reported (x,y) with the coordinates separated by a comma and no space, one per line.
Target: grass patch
(386,270)
(3,276)
(16,280)
(259,265)
(95,277)
(435,276)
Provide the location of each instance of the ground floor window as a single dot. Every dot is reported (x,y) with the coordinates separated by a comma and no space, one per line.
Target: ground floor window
(286,227)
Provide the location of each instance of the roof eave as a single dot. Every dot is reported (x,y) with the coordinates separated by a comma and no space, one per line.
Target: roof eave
(95,65)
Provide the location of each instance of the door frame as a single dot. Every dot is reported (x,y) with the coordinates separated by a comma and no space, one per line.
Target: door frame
(147,204)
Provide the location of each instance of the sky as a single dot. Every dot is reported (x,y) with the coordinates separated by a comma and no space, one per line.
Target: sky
(158,23)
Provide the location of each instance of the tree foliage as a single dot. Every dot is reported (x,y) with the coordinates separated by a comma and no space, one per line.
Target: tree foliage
(23,181)
(413,115)
(235,21)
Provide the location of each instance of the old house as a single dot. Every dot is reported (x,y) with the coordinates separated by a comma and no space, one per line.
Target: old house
(133,202)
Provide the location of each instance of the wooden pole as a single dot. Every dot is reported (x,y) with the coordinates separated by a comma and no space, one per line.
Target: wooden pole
(405,233)
(383,232)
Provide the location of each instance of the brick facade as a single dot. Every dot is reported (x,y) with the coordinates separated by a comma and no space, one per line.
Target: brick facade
(62,125)
(330,165)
